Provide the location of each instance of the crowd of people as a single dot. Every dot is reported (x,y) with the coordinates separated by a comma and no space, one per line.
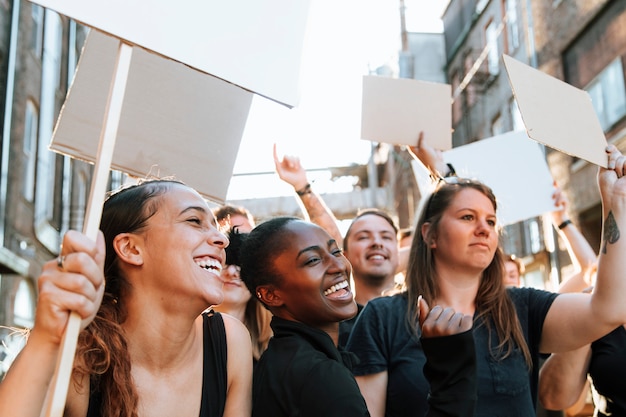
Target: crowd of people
(190,311)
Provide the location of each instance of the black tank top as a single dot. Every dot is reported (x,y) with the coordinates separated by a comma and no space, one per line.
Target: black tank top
(214,378)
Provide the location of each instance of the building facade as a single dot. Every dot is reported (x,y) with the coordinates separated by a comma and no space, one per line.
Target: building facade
(42,194)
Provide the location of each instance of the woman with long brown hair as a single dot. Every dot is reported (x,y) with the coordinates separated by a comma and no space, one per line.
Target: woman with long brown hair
(150,350)
(456,262)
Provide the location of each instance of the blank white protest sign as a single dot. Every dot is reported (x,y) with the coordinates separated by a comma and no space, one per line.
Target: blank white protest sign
(396,110)
(256,45)
(175,121)
(557,114)
(513,166)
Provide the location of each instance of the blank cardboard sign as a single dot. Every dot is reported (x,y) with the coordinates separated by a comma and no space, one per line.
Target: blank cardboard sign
(557,114)
(175,121)
(396,110)
(512,165)
(254,44)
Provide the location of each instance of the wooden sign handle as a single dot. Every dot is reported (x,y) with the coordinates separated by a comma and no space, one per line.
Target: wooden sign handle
(57,395)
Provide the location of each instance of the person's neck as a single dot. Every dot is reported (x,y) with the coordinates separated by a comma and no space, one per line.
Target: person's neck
(457,290)
(366,291)
(158,338)
(237,311)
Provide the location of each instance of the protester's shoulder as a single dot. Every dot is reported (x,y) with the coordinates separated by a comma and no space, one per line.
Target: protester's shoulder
(236,333)
(293,358)
(529,295)
(527,292)
(388,304)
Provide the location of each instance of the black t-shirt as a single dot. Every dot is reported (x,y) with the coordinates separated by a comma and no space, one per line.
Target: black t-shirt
(303,374)
(607,369)
(383,341)
(345,328)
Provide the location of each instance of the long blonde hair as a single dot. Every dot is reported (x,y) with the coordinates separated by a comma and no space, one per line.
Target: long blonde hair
(493,306)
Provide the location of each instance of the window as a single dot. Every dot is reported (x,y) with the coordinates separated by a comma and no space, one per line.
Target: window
(493,56)
(49,181)
(24,308)
(480,6)
(470,95)
(608,94)
(497,126)
(31,123)
(36,35)
(516,116)
(456,104)
(512,25)
(54,22)
(534,236)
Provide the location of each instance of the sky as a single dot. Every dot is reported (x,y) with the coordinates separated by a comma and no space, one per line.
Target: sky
(345,40)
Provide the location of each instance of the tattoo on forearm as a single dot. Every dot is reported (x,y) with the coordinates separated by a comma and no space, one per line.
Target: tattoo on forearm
(611,231)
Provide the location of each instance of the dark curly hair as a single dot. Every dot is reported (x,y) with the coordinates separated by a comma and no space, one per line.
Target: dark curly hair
(233,250)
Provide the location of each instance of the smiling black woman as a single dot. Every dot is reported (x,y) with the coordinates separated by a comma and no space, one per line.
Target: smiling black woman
(298,271)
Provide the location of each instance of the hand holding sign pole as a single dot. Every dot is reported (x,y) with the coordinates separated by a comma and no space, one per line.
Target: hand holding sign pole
(56,402)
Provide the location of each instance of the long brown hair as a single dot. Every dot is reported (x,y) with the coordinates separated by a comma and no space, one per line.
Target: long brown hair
(102,351)
(493,306)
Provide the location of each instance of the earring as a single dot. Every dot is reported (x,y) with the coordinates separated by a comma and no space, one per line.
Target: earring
(258,295)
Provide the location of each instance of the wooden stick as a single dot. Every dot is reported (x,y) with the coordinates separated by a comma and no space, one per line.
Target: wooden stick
(58,389)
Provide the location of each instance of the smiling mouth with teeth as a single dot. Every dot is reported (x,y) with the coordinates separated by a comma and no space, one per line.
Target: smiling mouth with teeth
(210,265)
(336,287)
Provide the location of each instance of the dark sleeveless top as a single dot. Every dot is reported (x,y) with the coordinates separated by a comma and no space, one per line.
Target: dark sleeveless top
(214,377)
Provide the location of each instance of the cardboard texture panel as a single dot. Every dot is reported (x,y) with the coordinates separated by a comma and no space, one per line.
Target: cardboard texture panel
(512,165)
(175,120)
(557,114)
(255,44)
(395,110)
